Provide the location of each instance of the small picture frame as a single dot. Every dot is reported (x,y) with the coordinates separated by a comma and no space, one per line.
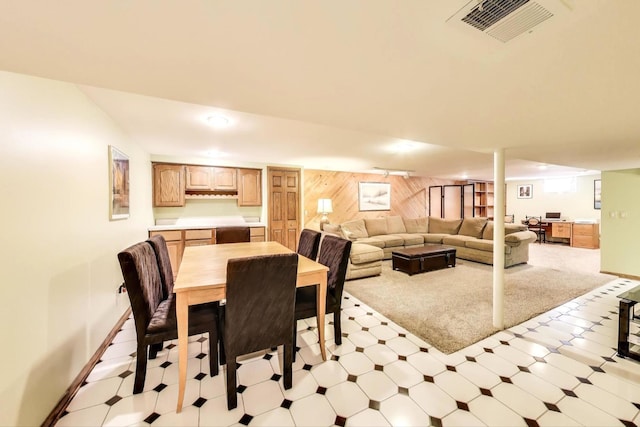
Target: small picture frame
(118,184)
(525,191)
(374,196)
(597,194)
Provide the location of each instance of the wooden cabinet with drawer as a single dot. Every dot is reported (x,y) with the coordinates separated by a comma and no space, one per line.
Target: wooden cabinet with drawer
(198,237)
(257,234)
(561,229)
(586,236)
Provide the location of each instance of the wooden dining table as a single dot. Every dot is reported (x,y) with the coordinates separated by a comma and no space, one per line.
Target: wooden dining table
(202,278)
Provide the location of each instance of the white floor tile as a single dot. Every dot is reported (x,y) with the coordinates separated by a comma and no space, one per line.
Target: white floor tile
(278,417)
(329,373)
(95,393)
(131,409)
(262,397)
(313,411)
(93,415)
(460,418)
(401,410)
(347,399)
(492,412)
(457,386)
(367,418)
(519,400)
(377,385)
(356,363)
(433,400)
(403,373)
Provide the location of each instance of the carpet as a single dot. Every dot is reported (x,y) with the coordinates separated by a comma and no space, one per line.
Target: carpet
(453,308)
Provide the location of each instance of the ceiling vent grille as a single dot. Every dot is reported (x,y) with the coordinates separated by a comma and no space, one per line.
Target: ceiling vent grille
(503,19)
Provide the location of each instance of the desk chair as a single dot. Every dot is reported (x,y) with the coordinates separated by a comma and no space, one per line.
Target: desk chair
(233,235)
(534,223)
(154,315)
(309,243)
(259,313)
(334,253)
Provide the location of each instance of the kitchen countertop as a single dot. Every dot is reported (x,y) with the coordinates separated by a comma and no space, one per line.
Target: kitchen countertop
(197,223)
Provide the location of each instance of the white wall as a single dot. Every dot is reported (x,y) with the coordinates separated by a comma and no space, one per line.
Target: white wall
(620,222)
(59,248)
(570,205)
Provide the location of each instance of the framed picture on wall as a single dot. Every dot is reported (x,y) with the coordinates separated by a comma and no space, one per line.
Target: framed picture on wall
(118,184)
(597,194)
(525,191)
(374,196)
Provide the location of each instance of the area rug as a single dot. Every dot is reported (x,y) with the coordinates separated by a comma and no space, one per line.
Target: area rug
(453,308)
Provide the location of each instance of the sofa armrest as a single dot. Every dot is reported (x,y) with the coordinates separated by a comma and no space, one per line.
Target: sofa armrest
(520,237)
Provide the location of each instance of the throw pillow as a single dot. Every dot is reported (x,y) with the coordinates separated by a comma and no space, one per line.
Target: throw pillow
(473,227)
(355,229)
(395,225)
(376,226)
(416,225)
(333,229)
(444,226)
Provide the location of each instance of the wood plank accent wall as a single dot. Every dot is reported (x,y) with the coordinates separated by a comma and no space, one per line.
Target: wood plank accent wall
(409,197)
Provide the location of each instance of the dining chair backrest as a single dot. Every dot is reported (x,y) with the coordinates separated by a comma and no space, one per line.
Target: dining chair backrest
(159,245)
(309,243)
(142,280)
(334,253)
(259,313)
(233,235)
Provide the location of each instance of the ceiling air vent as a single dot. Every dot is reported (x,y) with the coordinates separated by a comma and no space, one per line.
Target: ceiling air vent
(502,19)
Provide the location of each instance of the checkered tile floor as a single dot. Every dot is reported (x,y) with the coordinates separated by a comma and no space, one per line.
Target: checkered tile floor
(558,369)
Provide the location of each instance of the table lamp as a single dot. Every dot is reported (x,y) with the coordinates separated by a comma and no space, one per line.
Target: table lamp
(324,207)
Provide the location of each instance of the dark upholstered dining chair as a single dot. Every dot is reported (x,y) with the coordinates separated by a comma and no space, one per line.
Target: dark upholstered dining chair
(154,315)
(159,245)
(259,311)
(334,253)
(233,235)
(309,243)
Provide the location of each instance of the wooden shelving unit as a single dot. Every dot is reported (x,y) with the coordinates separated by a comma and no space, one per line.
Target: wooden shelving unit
(483,199)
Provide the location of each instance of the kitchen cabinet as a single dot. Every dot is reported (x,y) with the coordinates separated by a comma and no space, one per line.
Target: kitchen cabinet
(199,178)
(257,234)
(249,187)
(225,179)
(168,185)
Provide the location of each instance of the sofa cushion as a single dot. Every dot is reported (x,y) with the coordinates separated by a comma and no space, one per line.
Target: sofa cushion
(444,226)
(411,239)
(395,225)
(472,227)
(361,254)
(456,240)
(376,226)
(487,233)
(434,237)
(390,240)
(373,241)
(485,245)
(353,230)
(333,229)
(416,225)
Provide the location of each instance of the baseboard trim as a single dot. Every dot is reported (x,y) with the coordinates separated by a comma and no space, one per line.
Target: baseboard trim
(68,395)
(621,275)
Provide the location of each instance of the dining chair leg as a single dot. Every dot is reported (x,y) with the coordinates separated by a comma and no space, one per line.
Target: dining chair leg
(141,368)
(232,398)
(154,349)
(213,353)
(295,339)
(337,327)
(287,371)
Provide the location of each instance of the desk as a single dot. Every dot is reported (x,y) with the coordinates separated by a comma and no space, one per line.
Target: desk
(202,278)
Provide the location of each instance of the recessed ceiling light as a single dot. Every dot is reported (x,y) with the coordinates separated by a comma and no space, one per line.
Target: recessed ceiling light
(218,121)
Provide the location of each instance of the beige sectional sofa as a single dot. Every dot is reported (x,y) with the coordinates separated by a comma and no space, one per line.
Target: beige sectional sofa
(375,240)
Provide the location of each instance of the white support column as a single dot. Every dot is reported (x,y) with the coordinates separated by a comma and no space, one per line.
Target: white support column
(498,238)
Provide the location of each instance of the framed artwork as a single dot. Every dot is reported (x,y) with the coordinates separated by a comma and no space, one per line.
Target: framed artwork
(525,191)
(597,194)
(374,196)
(118,184)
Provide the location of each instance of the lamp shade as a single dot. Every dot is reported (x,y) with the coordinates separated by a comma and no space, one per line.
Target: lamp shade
(324,206)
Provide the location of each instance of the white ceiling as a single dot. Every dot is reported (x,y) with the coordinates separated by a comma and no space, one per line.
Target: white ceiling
(333,84)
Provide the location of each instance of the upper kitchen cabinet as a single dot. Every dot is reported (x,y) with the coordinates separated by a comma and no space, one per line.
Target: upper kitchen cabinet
(249,187)
(168,185)
(199,178)
(225,179)
(211,178)
(174,184)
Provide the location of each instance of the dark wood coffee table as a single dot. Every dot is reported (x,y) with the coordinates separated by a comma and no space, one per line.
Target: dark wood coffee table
(427,258)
